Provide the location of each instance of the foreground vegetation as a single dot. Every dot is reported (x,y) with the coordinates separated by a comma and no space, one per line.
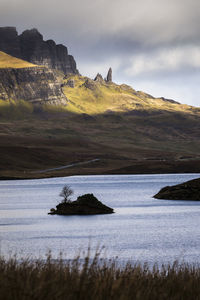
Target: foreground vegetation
(95,279)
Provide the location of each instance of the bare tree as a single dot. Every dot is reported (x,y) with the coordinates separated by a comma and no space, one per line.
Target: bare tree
(66,193)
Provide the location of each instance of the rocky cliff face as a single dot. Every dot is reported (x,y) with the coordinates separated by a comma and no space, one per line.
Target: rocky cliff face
(9,41)
(31,47)
(36,85)
(109,76)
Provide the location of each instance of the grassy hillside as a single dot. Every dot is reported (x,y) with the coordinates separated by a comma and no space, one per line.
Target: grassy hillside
(8,61)
(128,131)
(95,98)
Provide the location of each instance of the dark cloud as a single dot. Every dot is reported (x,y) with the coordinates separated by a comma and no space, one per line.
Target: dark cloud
(147,42)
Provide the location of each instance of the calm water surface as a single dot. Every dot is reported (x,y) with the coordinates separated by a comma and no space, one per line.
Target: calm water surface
(142,229)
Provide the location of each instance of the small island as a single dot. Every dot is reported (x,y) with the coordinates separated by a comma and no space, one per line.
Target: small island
(86,204)
(189,190)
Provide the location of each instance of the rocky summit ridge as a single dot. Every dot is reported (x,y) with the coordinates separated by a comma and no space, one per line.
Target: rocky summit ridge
(30,46)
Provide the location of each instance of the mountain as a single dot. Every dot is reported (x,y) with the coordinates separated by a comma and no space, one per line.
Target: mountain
(115,128)
(31,47)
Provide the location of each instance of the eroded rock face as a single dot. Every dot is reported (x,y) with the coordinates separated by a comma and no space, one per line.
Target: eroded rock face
(71,83)
(98,78)
(189,190)
(9,41)
(109,76)
(31,47)
(36,85)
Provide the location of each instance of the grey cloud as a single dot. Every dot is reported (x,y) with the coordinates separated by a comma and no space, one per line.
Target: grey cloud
(102,33)
(148,21)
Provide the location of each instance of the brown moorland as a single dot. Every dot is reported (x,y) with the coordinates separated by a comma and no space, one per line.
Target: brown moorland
(123,130)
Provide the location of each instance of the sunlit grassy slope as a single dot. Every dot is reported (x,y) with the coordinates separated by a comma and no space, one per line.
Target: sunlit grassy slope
(7,61)
(94,98)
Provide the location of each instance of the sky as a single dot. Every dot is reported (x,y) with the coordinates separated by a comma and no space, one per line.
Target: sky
(152,45)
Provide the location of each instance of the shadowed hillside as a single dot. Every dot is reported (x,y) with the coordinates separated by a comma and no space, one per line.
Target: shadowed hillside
(94,97)
(127,131)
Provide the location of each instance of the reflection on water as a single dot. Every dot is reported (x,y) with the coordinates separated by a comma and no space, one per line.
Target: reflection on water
(142,229)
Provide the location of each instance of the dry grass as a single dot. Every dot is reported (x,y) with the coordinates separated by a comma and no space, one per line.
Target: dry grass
(8,61)
(105,97)
(96,279)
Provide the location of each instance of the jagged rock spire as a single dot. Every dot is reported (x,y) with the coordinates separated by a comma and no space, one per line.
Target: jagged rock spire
(109,75)
(98,78)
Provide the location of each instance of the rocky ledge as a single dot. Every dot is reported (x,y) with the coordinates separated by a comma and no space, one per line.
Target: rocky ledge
(189,190)
(35,84)
(87,204)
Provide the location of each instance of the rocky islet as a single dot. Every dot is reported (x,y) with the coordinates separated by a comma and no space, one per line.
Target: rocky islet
(189,190)
(86,204)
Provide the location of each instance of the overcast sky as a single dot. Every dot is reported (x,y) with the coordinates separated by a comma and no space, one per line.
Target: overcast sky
(153,45)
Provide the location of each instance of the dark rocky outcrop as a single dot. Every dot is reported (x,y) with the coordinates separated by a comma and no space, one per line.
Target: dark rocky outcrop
(71,83)
(36,85)
(87,204)
(189,190)
(9,41)
(109,75)
(169,100)
(31,47)
(98,78)
(90,84)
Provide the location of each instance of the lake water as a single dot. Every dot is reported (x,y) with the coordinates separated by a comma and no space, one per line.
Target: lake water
(142,229)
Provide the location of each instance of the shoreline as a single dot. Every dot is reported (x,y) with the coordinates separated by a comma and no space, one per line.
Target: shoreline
(68,174)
